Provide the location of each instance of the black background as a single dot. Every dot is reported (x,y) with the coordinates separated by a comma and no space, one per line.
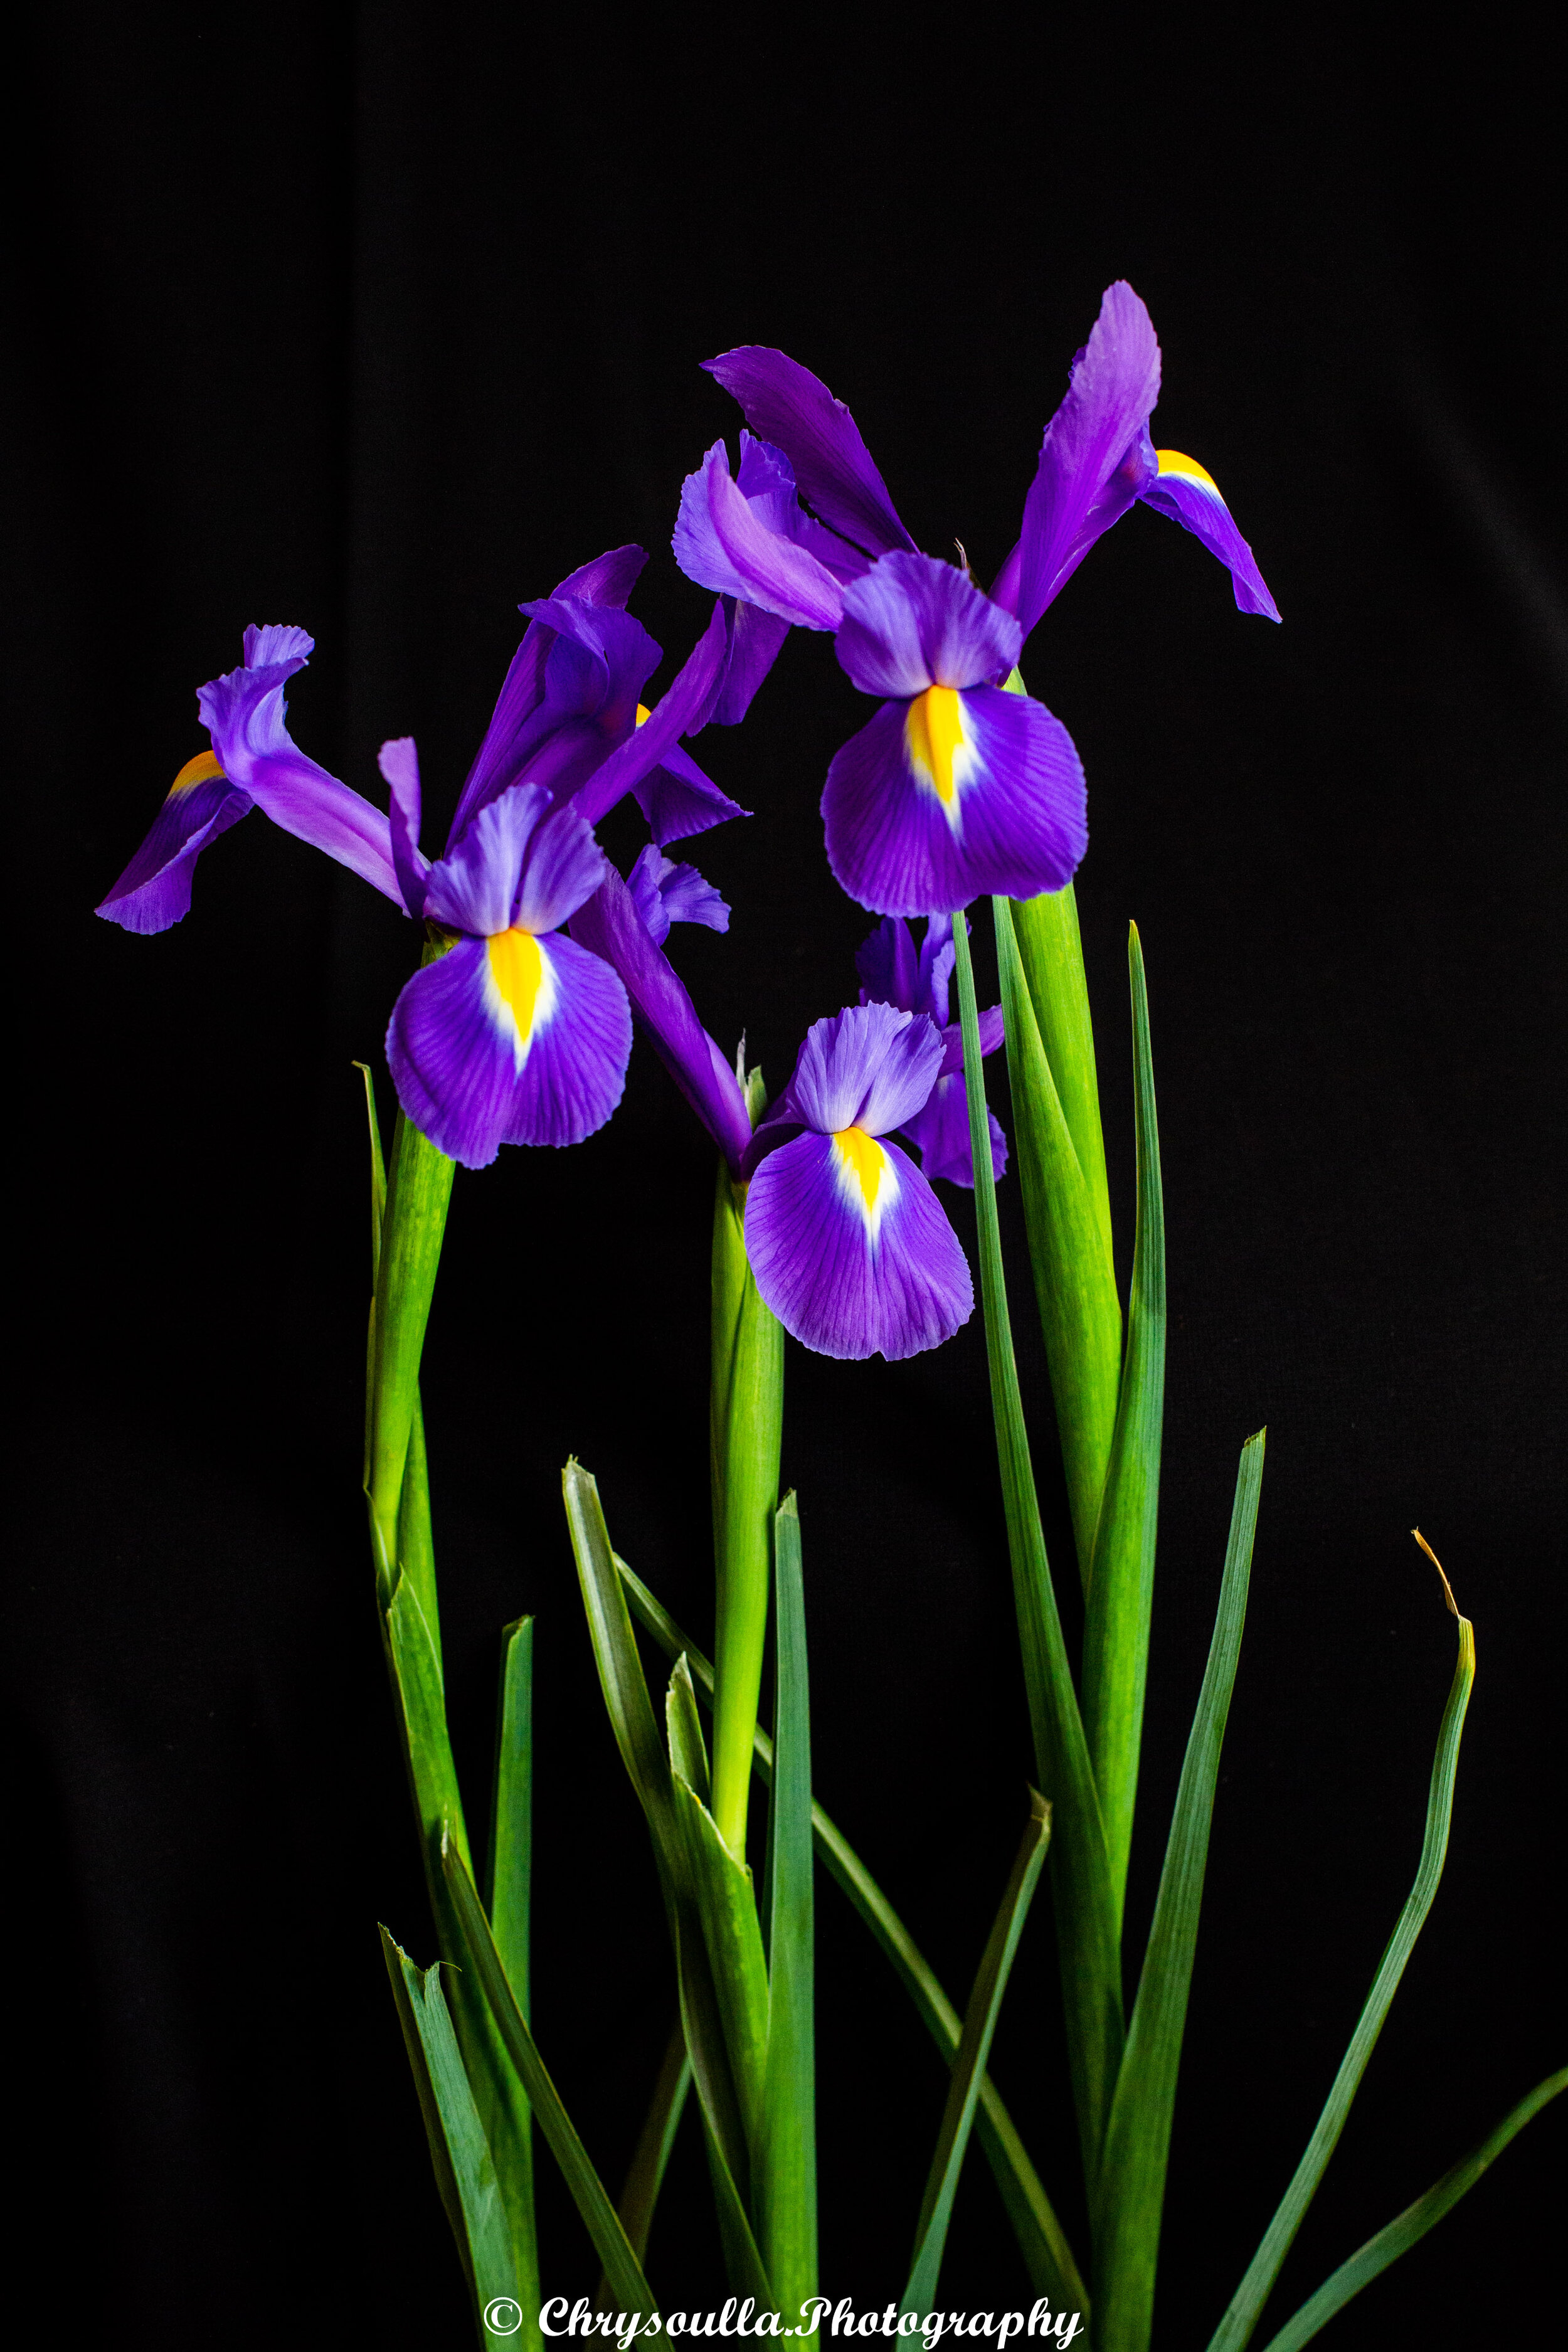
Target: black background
(380,320)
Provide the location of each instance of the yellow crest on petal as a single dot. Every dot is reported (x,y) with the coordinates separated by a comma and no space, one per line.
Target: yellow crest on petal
(864,1172)
(1172,462)
(203,770)
(935,741)
(522,980)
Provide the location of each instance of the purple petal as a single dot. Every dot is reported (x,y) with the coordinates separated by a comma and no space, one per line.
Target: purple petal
(1082,485)
(1011,821)
(512,1040)
(888,965)
(561,865)
(522,862)
(753,643)
(869,1066)
(766,481)
(665,893)
(399,764)
(786,404)
(682,709)
(937,957)
(609,925)
(913,621)
(156,888)
(609,579)
(1190,497)
(940,1131)
(724,543)
(678,799)
(244,713)
(993,1033)
(851,1249)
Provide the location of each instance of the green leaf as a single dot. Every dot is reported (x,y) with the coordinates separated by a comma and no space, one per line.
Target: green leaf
(1138,2138)
(377,1170)
(1064,1212)
(644,2175)
(1404,2230)
(622,2268)
(631,1716)
(1247,2304)
(1048,2257)
(509,1876)
(465,2170)
(745,1425)
(969,2066)
(1121,1583)
(727,1909)
(683,1729)
(785,2167)
(419,1195)
(1087,1923)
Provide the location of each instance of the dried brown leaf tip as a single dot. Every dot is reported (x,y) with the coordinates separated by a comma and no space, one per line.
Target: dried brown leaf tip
(1448,1588)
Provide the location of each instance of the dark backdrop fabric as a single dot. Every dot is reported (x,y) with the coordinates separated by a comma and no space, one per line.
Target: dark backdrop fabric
(380,321)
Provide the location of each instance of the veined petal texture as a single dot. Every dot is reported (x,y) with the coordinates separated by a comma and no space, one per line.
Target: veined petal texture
(851,1249)
(510,1040)
(948,796)
(786,404)
(913,621)
(869,1066)
(156,888)
(1191,497)
(723,542)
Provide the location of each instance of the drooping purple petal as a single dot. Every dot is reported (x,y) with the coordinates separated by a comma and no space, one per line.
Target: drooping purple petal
(1003,808)
(609,925)
(940,1131)
(677,799)
(399,764)
(1078,492)
(156,888)
(665,893)
(754,640)
(869,1066)
(683,708)
(510,1040)
(1191,497)
(724,543)
(786,404)
(912,621)
(852,1251)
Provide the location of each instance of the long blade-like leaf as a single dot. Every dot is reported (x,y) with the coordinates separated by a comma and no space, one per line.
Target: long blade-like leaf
(1247,2304)
(1066,1214)
(465,2169)
(1121,1582)
(974,2049)
(786,2156)
(1404,2230)
(1138,2138)
(622,2268)
(1087,1921)
(1041,2240)
(645,2174)
(511,1809)
(727,1907)
(418,1196)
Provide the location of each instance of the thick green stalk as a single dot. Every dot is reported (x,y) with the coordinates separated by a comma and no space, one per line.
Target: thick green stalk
(1083,1901)
(419,1191)
(745,1431)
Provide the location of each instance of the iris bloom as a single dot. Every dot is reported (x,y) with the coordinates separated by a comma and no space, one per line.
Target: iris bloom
(894,971)
(954,787)
(850,1245)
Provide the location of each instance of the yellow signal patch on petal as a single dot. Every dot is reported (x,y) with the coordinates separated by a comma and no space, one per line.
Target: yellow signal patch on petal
(203,770)
(524,985)
(864,1174)
(644,714)
(1172,462)
(938,749)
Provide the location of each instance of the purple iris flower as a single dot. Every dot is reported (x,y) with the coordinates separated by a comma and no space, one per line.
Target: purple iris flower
(254,763)
(955,787)
(894,971)
(850,1245)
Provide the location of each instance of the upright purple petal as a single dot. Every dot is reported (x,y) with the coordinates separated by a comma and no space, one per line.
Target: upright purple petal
(786,404)
(913,621)
(1078,492)
(1191,497)
(561,865)
(852,1251)
(754,640)
(156,888)
(665,892)
(724,543)
(888,965)
(937,801)
(399,764)
(609,925)
(244,712)
(677,799)
(608,580)
(509,1040)
(766,481)
(474,888)
(940,1132)
(682,709)
(869,1066)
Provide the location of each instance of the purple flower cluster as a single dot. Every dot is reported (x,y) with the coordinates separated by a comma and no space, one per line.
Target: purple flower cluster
(518,1028)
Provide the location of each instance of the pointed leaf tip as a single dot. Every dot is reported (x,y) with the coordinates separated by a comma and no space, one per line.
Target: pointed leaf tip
(1448,1588)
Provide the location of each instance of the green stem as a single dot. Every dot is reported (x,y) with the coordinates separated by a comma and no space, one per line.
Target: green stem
(419,1191)
(745,1427)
